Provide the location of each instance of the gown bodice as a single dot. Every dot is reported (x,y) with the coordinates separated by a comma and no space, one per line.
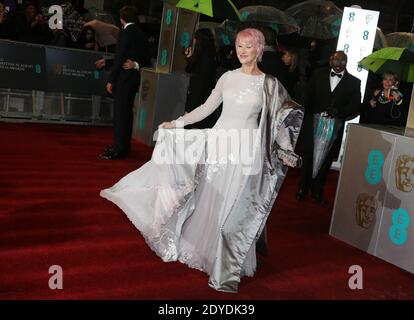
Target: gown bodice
(242,98)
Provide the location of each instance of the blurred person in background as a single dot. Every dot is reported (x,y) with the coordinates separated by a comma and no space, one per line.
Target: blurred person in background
(32,27)
(201,65)
(272,61)
(227,59)
(6,25)
(290,59)
(87,40)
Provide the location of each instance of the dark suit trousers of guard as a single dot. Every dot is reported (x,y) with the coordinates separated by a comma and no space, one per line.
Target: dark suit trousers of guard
(125,90)
(307,183)
(316,185)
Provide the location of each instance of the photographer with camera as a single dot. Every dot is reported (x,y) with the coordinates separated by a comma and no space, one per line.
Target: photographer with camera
(386,105)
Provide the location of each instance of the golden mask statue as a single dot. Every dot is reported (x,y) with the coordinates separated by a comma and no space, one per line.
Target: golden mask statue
(404,173)
(57,69)
(366,207)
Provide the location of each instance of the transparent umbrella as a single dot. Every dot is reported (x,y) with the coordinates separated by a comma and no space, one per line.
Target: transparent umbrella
(223,34)
(311,17)
(380,40)
(401,40)
(277,19)
(325,132)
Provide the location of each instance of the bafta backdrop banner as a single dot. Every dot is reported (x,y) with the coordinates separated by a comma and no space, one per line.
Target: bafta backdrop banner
(35,67)
(73,71)
(22,66)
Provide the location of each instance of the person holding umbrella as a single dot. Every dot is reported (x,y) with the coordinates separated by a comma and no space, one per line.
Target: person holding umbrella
(332,93)
(387,104)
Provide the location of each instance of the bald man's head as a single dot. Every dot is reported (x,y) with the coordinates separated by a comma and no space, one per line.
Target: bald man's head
(338,61)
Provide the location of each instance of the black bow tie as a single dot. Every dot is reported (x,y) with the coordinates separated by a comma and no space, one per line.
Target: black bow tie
(333,74)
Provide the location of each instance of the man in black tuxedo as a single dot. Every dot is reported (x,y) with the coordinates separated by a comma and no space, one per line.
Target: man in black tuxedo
(123,83)
(334,91)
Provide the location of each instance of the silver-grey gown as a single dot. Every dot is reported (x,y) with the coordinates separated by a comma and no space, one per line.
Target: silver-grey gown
(209,212)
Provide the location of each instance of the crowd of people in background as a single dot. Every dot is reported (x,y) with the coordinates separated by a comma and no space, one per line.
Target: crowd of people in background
(291,65)
(29,23)
(306,73)
(386,100)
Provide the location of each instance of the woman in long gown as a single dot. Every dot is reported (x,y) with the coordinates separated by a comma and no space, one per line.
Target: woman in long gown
(209,212)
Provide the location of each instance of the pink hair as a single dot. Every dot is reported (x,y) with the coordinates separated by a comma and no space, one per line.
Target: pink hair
(257,38)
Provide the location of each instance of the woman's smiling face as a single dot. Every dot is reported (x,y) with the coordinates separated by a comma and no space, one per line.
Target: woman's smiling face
(246,51)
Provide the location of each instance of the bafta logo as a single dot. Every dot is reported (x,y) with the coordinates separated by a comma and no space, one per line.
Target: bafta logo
(368,18)
(363,52)
(404,173)
(366,208)
(57,69)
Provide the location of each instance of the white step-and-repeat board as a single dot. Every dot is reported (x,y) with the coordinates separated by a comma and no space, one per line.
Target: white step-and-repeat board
(356,39)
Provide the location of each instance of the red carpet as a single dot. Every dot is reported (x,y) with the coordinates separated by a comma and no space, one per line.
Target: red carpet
(51,214)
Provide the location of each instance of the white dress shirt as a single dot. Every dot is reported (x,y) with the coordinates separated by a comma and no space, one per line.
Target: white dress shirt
(335,80)
(127,24)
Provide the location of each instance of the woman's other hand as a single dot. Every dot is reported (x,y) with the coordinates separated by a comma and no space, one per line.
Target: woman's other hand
(167,125)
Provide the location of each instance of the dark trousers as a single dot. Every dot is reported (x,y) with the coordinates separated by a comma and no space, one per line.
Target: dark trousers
(124,97)
(315,185)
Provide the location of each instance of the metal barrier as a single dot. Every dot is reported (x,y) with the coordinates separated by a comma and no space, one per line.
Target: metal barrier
(52,84)
(48,106)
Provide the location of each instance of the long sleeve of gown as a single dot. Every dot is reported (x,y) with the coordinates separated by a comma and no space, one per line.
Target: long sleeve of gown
(203,111)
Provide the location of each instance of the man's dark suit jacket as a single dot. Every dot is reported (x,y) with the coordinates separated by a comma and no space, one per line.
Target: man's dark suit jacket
(132,44)
(346,99)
